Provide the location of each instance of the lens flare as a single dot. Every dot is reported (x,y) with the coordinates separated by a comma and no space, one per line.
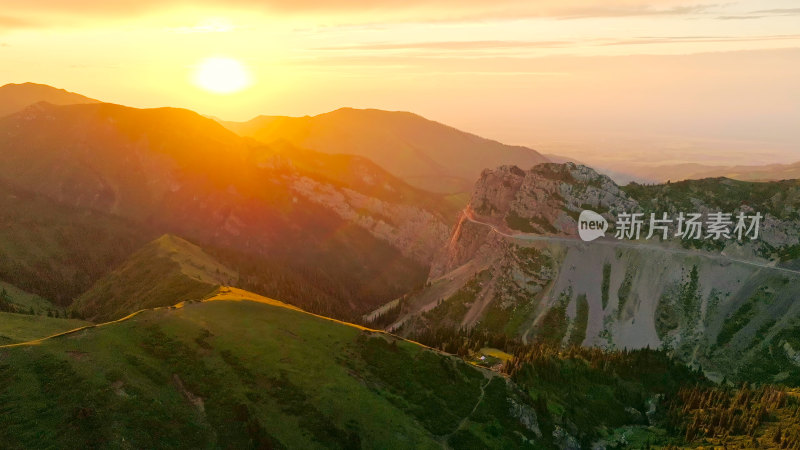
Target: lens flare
(221,75)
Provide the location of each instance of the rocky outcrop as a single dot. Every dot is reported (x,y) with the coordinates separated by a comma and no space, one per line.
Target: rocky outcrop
(716,304)
(416,232)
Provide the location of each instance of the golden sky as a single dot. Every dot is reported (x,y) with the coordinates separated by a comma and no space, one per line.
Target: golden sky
(540,73)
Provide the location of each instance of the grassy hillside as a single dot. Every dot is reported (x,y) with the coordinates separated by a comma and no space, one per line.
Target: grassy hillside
(14,299)
(16,328)
(245,374)
(166,271)
(243,371)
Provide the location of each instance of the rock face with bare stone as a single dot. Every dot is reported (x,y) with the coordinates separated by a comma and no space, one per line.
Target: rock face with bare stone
(716,303)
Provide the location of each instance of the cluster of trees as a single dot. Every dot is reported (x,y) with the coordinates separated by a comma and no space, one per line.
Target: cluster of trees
(462,342)
(388,316)
(64,260)
(762,417)
(325,287)
(695,410)
(654,369)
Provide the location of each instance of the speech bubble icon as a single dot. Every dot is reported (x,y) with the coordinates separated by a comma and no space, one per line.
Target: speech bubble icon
(591,225)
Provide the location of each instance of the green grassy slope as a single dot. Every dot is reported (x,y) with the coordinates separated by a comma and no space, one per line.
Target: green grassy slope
(23,327)
(244,374)
(15,299)
(166,271)
(242,371)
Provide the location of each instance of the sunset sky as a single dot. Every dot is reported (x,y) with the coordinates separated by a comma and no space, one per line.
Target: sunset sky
(584,77)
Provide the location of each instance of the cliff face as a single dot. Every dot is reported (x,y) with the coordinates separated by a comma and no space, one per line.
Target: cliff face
(544,200)
(514,265)
(547,198)
(414,231)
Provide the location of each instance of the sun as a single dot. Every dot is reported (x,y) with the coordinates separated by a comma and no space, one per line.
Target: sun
(221,75)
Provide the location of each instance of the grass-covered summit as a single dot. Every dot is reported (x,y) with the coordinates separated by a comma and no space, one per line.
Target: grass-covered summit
(166,271)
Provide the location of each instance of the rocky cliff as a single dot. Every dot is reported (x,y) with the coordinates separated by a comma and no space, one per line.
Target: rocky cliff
(514,265)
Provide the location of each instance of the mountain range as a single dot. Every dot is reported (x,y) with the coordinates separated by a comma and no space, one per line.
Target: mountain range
(693,171)
(17,96)
(421,152)
(173,171)
(371,279)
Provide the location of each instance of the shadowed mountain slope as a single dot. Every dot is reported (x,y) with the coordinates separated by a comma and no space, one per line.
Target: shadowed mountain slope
(349,232)
(15,97)
(422,152)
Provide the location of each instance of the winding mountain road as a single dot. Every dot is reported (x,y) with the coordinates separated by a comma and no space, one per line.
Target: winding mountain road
(468,214)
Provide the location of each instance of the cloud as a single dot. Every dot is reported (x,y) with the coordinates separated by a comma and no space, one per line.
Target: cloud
(779,11)
(10,22)
(384,10)
(762,13)
(401,65)
(697,39)
(452,45)
(632,11)
(479,45)
(748,17)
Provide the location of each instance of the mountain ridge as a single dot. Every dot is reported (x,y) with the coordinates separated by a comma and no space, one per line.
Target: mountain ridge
(519,336)
(174,171)
(423,152)
(14,97)
(166,271)
(693,171)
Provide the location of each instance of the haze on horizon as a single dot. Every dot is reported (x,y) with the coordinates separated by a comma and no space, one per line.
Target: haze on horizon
(613,82)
